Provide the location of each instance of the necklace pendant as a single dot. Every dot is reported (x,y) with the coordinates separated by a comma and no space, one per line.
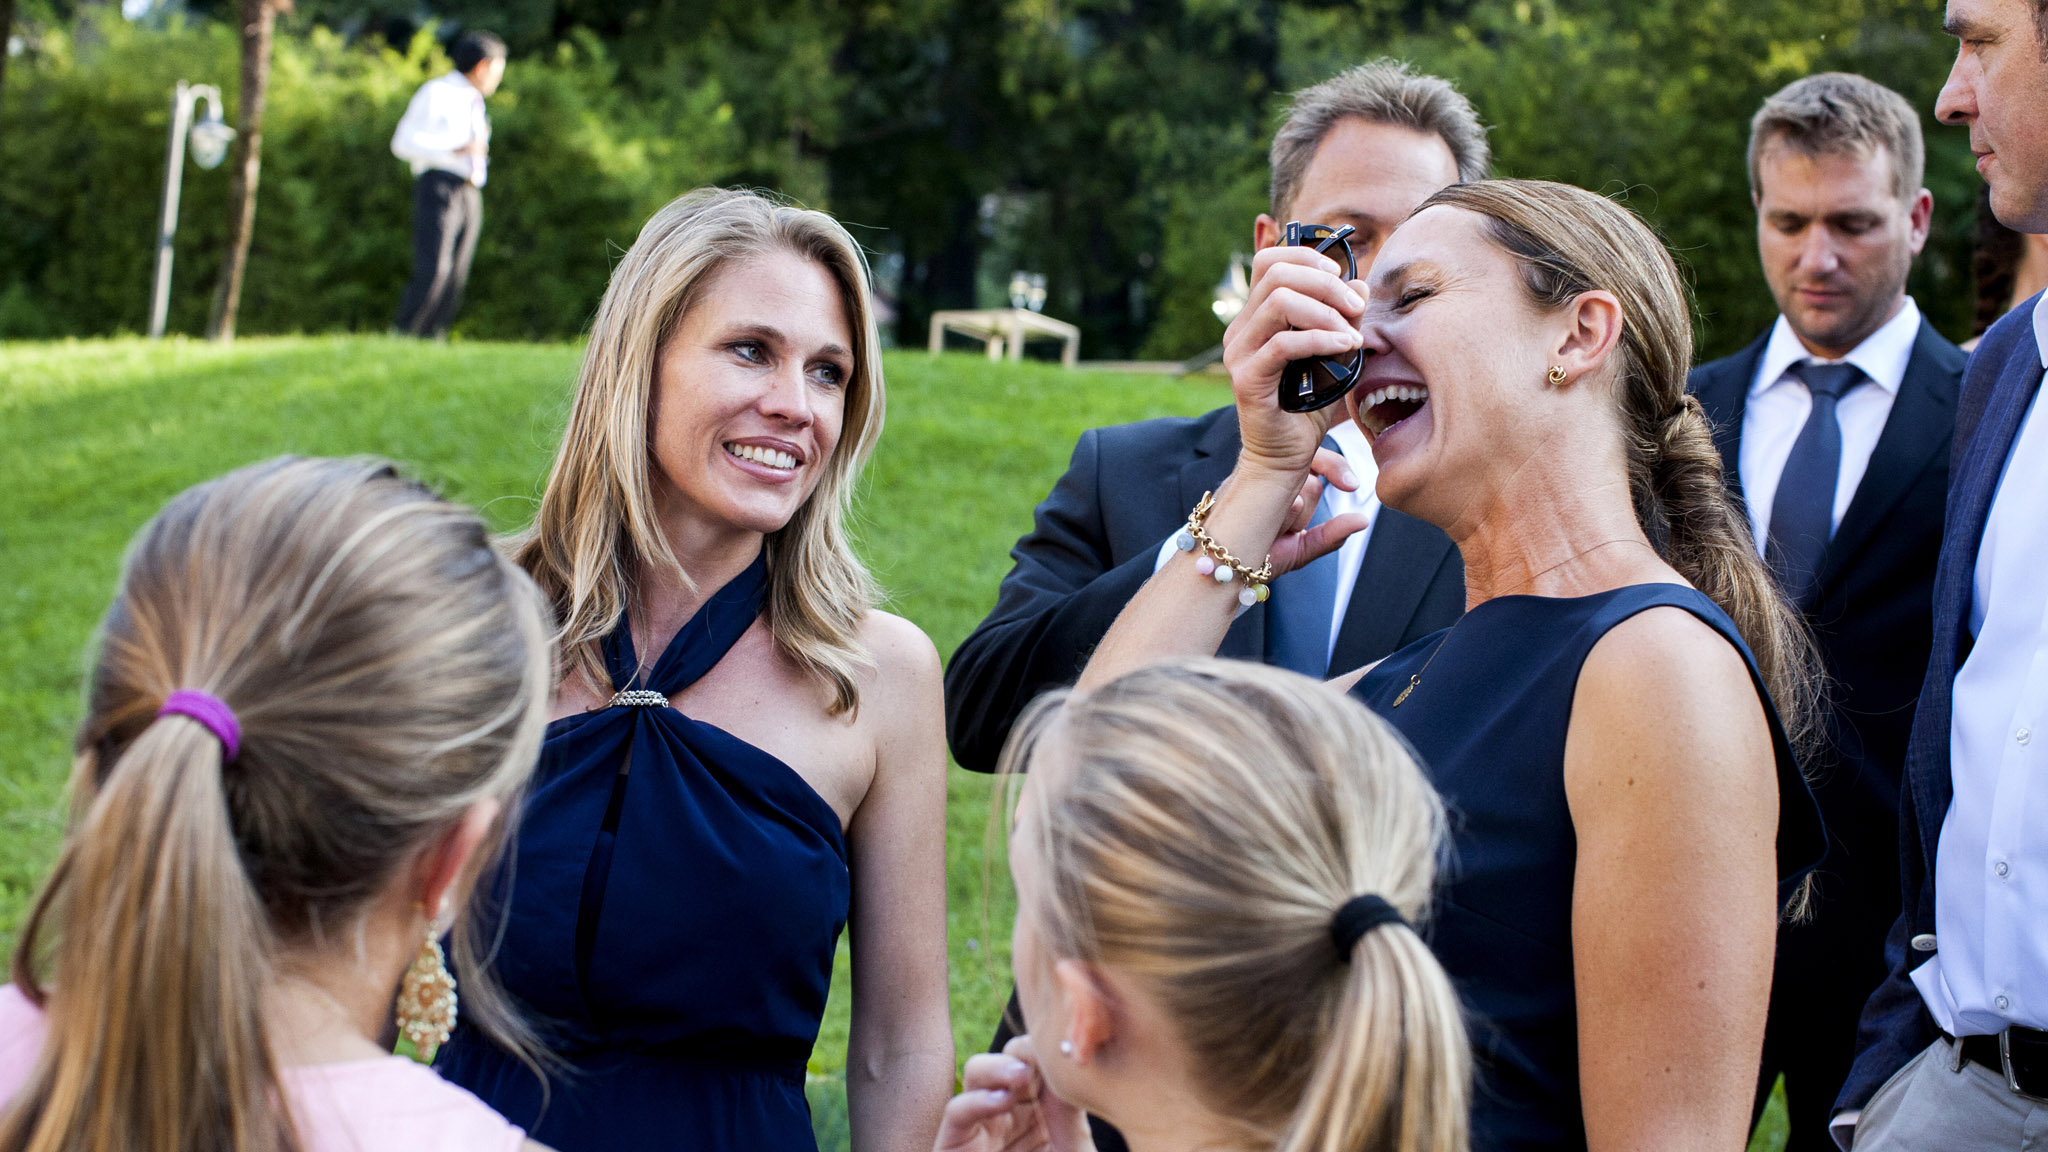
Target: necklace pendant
(1412,682)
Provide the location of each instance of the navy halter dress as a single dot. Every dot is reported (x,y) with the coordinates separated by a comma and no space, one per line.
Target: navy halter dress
(676,895)
(1489,720)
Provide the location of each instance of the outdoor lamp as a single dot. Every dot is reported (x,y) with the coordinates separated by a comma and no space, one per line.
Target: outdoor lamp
(1231,291)
(1027,290)
(210,139)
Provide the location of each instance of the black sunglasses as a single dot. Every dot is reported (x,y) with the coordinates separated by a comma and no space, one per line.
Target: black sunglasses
(1307,385)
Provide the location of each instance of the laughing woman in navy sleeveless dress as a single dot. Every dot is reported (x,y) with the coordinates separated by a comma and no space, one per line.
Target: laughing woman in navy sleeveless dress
(747,757)
(1613,722)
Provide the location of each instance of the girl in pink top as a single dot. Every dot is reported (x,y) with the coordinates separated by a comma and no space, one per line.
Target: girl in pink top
(317,692)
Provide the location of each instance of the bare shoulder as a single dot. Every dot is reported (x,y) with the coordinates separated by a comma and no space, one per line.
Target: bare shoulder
(1668,657)
(899,647)
(1665,698)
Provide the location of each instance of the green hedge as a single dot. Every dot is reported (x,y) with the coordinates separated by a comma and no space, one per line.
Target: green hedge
(575,169)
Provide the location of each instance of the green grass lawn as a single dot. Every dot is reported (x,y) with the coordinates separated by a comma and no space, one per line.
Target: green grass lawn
(94,436)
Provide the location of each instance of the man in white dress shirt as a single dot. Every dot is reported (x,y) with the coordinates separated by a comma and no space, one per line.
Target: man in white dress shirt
(446,138)
(1954,1044)
(1834,430)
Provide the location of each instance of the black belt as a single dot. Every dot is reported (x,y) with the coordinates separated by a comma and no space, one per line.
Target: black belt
(2018,1054)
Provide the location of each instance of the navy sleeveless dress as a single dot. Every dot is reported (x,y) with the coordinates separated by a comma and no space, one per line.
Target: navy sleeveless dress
(1488,721)
(676,895)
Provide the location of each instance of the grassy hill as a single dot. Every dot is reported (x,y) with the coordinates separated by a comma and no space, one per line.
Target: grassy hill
(95,436)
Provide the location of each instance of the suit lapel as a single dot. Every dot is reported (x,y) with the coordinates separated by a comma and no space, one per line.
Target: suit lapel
(1973,482)
(1723,390)
(1921,421)
(1401,559)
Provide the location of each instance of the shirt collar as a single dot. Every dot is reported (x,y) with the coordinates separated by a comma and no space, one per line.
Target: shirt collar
(1883,355)
(2041,328)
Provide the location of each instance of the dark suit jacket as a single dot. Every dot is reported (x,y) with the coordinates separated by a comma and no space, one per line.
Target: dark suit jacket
(1093,544)
(1873,612)
(2001,380)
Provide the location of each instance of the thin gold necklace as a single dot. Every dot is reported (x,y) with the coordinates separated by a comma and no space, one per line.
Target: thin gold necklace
(1415,680)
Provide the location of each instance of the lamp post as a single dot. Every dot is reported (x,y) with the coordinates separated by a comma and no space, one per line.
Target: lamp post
(210,139)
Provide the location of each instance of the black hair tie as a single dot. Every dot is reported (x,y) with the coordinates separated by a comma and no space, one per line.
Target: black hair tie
(1359,915)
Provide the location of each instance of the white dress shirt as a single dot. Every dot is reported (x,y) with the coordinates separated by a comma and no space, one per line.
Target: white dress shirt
(1357,452)
(444,116)
(1779,404)
(1991,866)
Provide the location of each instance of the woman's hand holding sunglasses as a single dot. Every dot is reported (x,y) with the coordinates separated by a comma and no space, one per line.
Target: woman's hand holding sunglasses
(1299,308)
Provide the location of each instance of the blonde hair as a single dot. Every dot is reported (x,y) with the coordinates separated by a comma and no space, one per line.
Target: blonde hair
(1568,241)
(1201,826)
(596,521)
(389,670)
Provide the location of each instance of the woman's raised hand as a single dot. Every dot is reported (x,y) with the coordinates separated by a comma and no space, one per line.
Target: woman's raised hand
(1299,308)
(1005,1106)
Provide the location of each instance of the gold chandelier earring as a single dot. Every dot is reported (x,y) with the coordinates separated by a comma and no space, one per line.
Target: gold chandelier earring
(1555,375)
(426,997)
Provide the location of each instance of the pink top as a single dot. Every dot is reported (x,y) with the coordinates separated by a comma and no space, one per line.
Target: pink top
(354,1106)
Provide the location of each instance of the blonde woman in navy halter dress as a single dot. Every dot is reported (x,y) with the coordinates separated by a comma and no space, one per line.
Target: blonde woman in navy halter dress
(746,757)
(1612,723)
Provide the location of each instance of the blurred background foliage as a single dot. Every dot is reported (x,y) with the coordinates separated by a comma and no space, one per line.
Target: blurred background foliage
(1117,146)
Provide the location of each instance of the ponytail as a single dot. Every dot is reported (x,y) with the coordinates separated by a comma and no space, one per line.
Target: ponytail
(157,1029)
(378,670)
(1392,1076)
(1214,872)
(1683,502)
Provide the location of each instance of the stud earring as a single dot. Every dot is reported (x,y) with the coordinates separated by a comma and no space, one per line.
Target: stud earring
(1555,375)
(1066,1047)
(426,997)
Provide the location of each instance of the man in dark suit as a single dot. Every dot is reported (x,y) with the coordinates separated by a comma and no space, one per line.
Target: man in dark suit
(1953,1047)
(1362,148)
(1834,428)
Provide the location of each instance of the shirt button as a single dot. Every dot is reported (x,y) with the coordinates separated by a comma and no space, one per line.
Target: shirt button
(2002,1003)
(2000,868)
(1924,942)
(2023,735)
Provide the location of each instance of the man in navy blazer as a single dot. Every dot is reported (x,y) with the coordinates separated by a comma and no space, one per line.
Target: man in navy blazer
(1952,1048)
(1363,148)
(1835,168)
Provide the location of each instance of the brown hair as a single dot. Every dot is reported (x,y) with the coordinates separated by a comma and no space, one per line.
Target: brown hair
(1568,241)
(389,670)
(1211,869)
(596,523)
(1841,113)
(1383,91)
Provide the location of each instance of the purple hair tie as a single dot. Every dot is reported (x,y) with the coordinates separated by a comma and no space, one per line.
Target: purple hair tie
(208,710)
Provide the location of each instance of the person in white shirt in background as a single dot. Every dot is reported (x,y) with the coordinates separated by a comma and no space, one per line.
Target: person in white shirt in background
(446,137)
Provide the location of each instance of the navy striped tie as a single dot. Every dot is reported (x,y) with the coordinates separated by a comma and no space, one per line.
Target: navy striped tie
(1803,511)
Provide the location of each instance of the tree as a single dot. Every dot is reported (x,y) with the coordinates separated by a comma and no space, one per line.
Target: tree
(6,31)
(259,25)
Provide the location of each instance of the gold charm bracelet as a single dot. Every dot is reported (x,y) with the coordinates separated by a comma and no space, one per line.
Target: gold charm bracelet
(1216,561)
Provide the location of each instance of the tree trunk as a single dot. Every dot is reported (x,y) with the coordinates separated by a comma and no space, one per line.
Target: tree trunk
(259,22)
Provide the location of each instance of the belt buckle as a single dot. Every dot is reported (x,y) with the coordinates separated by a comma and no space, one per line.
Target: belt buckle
(2036,1092)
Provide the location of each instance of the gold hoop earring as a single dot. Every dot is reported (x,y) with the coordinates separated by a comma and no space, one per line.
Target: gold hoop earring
(1555,375)
(426,999)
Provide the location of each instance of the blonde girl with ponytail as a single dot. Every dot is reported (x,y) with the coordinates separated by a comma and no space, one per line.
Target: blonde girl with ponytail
(316,696)
(1219,870)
